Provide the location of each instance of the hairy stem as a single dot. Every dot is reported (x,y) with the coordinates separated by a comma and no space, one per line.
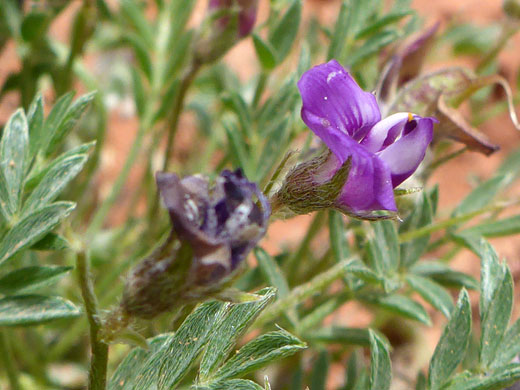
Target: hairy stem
(99,350)
(304,291)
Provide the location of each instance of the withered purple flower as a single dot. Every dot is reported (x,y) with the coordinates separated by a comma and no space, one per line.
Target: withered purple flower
(221,224)
(214,228)
(379,154)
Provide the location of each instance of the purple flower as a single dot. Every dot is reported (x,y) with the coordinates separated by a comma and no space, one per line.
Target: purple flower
(381,153)
(221,223)
(214,228)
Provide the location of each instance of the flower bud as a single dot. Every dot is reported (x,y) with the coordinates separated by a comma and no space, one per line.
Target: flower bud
(227,22)
(216,227)
(312,185)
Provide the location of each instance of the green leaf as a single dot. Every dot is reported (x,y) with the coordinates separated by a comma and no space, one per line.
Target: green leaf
(25,310)
(265,53)
(421,216)
(444,275)
(37,175)
(275,146)
(500,379)
(135,16)
(341,30)
(233,325)
(340,335)
(320,371)
(452,345)
(496,304)
(238,148)
(338,239)
(509,347)
(13,155)
(256,354)
(482,195)
(403,306)
(382,22)
(352,375)
(468,240)
(503,227)
(236,103)
(57,131)
(139,92)
(432,293)
(128,370)
(35,119)
(304,62)
(28,279)
(233,384)
(271,272)
(53,120)
(141,51)
(51,242)
(167,366)
(284,33)
(54,182)
(388,243)
(371,46)
(180,12)
(33,227)
(380,364)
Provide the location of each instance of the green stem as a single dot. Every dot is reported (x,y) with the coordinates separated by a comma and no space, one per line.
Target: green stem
(426,230)
(175,113)
(260,87)
(304,291)
(6,353)
(99,350)
(173,123)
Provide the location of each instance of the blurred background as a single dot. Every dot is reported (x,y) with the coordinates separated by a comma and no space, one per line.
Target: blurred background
(468,30)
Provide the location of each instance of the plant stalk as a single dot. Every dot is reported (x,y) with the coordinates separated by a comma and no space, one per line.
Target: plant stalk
(304,291)
(175,114)
(99,350)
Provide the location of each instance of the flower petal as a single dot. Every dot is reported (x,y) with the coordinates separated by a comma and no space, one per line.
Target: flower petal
(369,185)
(385,132)
(334,106)
(404,156)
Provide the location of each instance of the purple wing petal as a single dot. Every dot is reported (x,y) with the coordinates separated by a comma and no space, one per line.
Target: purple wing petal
(404,156)
(385,132)
(335,106)
(369,184)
